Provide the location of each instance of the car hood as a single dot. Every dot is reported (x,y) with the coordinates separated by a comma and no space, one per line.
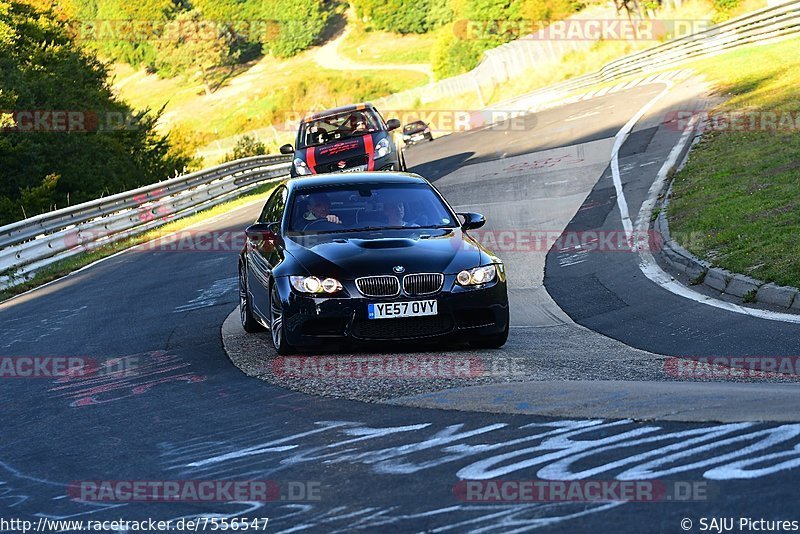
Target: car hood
(319,158)
(347,256)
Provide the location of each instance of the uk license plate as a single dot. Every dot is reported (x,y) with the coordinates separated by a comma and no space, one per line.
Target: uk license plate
(395,310)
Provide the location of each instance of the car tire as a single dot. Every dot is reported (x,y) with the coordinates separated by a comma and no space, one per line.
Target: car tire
(494,341)
(277,332)
(249,323)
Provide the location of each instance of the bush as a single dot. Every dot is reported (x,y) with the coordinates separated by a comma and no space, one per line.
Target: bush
(723,10)
(451,55)
(246,146)
(460,47)
(547,10)
(401,16)
(725,5)
(394,15)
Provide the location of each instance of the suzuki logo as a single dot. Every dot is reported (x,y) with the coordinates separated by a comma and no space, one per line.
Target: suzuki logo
(341,164)
(399,269)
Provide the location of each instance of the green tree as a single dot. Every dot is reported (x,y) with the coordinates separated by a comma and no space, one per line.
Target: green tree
(299,24)
(479,25)
(199,51)
(452,55)
(43,70)
(401,16)
(241,18)
(103,25)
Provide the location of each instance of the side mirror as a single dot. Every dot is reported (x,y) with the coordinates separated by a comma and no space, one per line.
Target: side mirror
(472,221)
(262,233)
(392,124)
(287,149)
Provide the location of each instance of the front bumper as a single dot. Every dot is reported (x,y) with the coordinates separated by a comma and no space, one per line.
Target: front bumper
(389,162)
(463,314)
(416,138)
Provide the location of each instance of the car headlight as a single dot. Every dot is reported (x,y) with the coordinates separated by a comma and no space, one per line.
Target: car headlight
(382,148)
(300,167)
(477,276)
(312,284)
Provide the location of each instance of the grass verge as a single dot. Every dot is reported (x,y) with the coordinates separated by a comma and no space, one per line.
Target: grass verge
(379,47)
(739,194)
(63,267)
(580,62)
(259,96)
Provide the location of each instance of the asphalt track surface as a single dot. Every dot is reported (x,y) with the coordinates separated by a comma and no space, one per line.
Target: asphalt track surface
(187,413)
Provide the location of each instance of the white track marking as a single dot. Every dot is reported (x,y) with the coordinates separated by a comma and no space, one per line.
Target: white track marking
(648,265)
(653,271)
(582,116)
(210,296)
(619,139)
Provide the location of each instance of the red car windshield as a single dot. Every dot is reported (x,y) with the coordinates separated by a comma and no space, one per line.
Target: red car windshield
(337,127)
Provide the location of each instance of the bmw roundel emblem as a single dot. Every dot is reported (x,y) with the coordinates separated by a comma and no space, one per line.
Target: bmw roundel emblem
(399,269)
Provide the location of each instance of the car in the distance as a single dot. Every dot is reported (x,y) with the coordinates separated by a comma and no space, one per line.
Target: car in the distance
(369,257)
(352,138)
(416,131)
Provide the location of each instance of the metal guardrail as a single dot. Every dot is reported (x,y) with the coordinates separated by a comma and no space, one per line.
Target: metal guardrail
(516,58)
(29,245)
(766,24)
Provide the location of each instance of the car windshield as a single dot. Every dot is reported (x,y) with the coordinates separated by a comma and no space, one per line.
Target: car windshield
(343,125)
(362,207)
(414,127)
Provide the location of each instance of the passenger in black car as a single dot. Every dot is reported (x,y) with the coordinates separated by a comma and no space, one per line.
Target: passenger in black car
(394,210)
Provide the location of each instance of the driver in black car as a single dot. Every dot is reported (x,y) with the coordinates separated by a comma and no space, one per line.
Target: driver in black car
(319,208)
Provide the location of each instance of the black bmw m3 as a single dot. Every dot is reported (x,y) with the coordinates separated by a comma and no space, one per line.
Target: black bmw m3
(369,257)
